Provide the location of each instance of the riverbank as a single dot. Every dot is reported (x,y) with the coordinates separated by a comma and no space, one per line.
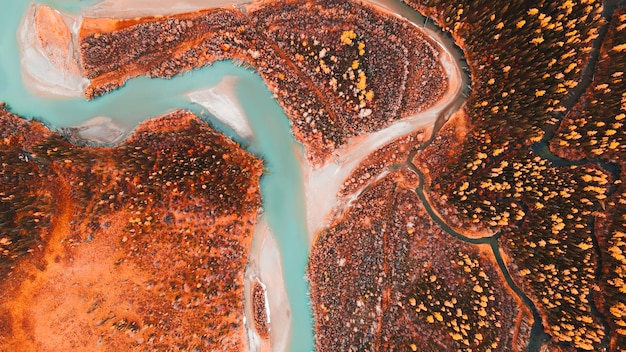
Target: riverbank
(126,9)
(322,185)
(221,101)
(49,58)
(346,160)
(265,268)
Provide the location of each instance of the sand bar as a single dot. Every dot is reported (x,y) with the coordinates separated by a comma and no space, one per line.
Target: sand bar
(142,8)
(48,51)
(222,102)
(264,266)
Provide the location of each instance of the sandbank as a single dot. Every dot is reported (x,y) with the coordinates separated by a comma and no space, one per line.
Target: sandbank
(221,101)
(48,53)
(264,265)
(123,9)
(99,131)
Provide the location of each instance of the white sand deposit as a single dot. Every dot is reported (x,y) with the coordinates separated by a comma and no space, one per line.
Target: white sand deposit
(222,102)
(100,130)
(141,8)
(264,265)
(48,53)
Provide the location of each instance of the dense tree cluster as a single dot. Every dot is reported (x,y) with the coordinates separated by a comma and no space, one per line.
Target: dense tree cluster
(385,277)
(332,64)
(525,59)
(165,219)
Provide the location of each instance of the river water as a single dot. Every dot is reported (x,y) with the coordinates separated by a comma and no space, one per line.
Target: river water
(142,98)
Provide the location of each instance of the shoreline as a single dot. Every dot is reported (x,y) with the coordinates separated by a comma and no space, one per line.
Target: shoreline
(222,102)
(53,70)
(322,185)
(264,263)
(127,9)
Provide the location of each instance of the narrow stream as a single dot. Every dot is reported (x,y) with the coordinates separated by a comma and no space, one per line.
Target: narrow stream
(541,148)
(537,333)
(282,189)
(538,336)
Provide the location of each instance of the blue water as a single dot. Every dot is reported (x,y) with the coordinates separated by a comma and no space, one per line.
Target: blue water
(142,98)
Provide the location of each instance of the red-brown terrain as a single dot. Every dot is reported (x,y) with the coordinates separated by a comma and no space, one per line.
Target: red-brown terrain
(510,217)
(141,246)
(385,277)
(558,221)
(332,64)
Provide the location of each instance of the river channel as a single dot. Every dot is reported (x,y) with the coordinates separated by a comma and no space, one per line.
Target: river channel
(283,186)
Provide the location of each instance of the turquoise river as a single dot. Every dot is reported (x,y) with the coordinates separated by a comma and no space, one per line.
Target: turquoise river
(142,98)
